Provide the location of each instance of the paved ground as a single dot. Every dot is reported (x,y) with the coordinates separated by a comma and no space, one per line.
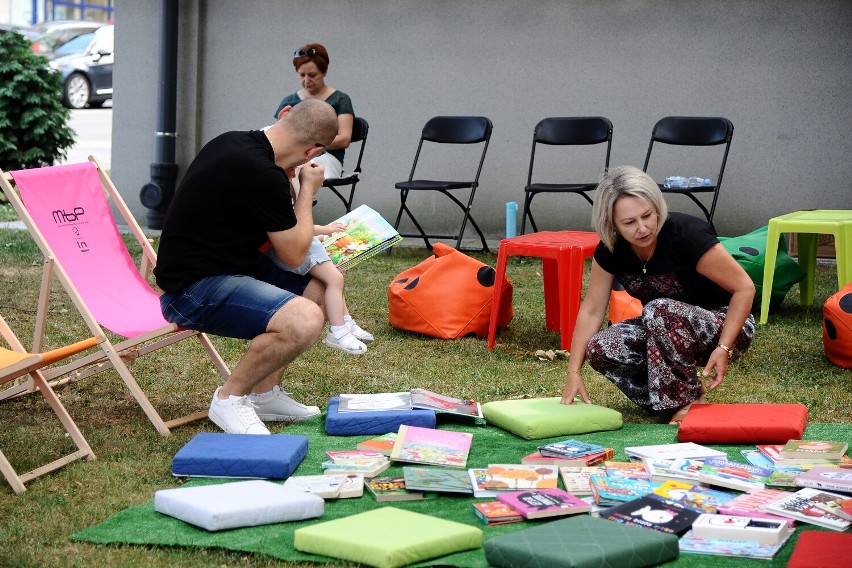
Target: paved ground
(93,127)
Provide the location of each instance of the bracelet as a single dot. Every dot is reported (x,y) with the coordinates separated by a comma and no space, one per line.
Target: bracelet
(727,349)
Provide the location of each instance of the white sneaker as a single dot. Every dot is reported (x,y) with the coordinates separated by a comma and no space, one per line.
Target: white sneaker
(235,415)
(276,406)
(346,342)
(358,331)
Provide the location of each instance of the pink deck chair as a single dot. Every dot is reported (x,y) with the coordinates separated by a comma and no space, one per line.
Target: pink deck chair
(67,211)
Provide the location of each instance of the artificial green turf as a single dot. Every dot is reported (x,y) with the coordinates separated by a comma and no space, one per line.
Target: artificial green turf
(143,526)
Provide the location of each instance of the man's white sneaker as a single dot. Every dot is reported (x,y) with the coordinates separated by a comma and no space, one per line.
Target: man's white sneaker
(276,406)
(345,342)
(235,415)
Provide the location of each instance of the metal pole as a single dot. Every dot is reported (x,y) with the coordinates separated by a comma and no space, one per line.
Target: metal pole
(157,193)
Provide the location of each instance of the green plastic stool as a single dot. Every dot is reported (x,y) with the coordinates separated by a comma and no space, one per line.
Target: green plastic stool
(808,224)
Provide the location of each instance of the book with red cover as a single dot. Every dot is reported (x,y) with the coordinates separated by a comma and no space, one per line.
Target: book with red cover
(818,549)
(535,504)
(495,513)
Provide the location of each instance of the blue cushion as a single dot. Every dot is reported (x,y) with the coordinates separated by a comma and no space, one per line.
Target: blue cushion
(211,454)
(382,422)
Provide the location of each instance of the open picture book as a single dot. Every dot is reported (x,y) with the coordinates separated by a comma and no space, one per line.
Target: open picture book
(366,234)
(416,398)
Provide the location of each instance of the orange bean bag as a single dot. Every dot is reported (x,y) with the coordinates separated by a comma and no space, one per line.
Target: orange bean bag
(447,296)
(623,306)
(837,327)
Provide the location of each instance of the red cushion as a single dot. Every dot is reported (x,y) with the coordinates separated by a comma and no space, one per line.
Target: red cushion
(818,549)
(743,423)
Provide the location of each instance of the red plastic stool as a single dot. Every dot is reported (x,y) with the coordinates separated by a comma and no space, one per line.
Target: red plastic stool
(562,254)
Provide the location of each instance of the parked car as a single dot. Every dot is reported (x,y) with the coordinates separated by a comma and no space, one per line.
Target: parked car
(85,64)
(49,36)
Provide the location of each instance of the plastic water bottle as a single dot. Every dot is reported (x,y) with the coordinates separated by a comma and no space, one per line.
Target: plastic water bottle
(696,181)
(676,182)
(511,219)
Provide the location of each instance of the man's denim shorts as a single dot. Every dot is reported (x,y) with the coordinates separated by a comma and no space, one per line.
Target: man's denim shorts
(234,305)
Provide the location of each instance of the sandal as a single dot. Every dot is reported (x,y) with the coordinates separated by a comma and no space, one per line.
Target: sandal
(346,342)
(680,413)
(358,332)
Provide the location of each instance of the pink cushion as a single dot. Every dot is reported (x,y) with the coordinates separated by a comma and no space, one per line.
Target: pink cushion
(743,423)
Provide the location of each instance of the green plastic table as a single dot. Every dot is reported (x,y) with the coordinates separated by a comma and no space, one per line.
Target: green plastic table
(808,224)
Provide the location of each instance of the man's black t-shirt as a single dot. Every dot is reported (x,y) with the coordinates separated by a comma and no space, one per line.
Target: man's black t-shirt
(233,193)
(671,273)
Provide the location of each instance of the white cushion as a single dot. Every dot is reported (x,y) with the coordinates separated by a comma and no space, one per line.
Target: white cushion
(238,504)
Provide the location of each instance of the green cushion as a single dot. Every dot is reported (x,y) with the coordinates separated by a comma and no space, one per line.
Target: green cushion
(581,542)
(387,537)
(750,252)
(536,418)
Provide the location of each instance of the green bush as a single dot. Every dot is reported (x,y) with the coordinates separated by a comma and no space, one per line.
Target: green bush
(34,130)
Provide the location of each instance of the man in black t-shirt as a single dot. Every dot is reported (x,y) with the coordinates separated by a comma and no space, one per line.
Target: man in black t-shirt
(234,197)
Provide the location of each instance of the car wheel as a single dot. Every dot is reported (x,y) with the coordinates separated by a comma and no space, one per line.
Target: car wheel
(77,90)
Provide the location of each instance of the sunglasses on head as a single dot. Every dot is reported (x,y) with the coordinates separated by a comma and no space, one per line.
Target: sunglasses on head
(305,53)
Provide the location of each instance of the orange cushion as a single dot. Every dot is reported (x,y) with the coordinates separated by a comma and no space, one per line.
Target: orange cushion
(743,423)
(623,306)
(447,296)
(837,327)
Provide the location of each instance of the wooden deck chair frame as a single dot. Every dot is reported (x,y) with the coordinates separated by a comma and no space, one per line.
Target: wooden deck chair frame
(111,355)
(17,362)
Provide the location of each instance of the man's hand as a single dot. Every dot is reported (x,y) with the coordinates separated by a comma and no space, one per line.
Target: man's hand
(311,177)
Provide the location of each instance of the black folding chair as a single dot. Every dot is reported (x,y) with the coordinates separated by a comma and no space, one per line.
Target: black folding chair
(565,131)
(360,129)
(447,130)
(694,131)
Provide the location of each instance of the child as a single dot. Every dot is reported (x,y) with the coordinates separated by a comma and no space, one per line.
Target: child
(343,333)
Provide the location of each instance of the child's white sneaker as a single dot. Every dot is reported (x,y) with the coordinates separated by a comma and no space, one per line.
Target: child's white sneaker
(357,330)
(343,339)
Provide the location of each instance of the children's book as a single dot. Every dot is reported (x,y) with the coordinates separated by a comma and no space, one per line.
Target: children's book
(437,479)
(521,476)
(633,470)
(576,479)
(382,444)
(799,451)
(680,469)
(691,544)
(477,481)
(773,453)
(535,504)
(783,477)
(751,504)
(338,486)
(431,446)
(374,402)
(842,508)
(734,475)
(589,460)
(495,513)
(695,497)
(416,398)
(570,449)
(808,505)
(366,234)
(355,456)
(673,451)
(729,527)
(422,398)
(368,470)
(828,478)
(392,489)
(612,491)
(653,512)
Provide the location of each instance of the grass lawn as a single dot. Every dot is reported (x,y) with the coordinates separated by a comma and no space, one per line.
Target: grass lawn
(785,364)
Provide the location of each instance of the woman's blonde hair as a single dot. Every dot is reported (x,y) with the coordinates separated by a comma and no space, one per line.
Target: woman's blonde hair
(623,181)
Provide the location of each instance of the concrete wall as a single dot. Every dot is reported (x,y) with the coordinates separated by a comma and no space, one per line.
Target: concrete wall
(778,70)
